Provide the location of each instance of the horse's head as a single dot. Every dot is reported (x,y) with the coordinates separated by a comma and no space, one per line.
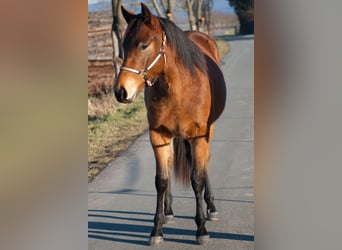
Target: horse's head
(144,57)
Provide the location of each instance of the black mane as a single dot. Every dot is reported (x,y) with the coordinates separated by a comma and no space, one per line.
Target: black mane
(189,54)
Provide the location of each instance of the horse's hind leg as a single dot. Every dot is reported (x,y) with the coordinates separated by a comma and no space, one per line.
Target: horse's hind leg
(212,213)
(163,154)
(200,150)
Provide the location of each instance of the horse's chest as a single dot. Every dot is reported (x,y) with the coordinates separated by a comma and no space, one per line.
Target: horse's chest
(175,120)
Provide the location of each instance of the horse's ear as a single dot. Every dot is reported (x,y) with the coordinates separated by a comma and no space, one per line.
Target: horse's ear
(128,15)
(146,13)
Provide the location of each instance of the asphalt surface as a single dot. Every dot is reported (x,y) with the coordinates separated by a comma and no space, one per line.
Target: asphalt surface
(121,200)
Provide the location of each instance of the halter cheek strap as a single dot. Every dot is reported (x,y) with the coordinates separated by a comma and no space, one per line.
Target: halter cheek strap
(143,73)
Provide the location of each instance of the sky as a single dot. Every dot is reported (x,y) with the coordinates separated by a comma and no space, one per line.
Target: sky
(221,5)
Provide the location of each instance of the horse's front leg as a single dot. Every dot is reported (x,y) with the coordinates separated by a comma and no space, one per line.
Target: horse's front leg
(168,204)
(164,160)
(200,150)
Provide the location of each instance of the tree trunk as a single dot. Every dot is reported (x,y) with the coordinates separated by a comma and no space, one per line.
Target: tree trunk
(199,18)
(168,6)
(156,6)
(169,13)
(191,17)
(118,30)
(207,6)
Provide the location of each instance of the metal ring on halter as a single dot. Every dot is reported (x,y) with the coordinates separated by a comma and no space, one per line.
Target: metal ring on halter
(143,72)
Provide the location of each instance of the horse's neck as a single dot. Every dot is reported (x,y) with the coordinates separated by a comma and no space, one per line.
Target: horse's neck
(175,74)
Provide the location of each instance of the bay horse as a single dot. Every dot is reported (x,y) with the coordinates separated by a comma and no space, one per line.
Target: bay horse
(185,92)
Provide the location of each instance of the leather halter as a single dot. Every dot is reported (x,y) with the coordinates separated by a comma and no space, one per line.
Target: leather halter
(143,72)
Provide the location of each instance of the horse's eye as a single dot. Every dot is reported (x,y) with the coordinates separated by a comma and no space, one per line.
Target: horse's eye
(143,46)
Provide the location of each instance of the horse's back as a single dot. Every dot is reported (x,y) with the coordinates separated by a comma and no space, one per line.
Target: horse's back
(217,83)
(205,43)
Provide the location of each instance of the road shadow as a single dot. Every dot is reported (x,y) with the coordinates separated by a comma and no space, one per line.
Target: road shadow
(138,233)
(134,192)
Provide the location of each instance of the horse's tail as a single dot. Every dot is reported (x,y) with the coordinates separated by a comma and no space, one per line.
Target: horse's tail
(182,160)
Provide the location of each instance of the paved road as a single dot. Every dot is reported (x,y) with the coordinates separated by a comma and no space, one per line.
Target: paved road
(121,200)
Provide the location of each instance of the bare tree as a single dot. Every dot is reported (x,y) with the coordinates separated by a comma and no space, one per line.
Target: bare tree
(189,9)
(169,13)
(157,8)
(168,6)
(207,6)
(195,16)
(199,17)
(118,29)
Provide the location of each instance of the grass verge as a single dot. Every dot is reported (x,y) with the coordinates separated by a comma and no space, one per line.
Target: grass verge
(114,133)
(223,48)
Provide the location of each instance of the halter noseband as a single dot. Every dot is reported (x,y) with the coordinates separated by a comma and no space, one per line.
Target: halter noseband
(143,73)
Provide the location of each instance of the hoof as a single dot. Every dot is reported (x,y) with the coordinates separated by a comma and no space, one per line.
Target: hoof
(169,219)
(202,240)
(213,216)
(155,240)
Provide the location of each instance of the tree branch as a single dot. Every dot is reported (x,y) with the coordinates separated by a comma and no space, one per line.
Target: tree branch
(156,6)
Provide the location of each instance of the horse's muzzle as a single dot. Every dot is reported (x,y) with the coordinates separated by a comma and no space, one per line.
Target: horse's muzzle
(121,95)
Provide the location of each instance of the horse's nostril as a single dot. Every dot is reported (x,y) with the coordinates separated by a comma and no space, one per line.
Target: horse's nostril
(121,94)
